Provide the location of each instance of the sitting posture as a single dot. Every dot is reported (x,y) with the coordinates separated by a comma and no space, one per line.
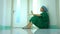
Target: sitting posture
(40,20)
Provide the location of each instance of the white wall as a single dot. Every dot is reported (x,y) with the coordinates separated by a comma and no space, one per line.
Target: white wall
(1,11)
(59,14)
(52,12)
(6,13)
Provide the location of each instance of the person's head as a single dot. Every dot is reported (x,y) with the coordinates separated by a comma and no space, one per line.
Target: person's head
(43,8)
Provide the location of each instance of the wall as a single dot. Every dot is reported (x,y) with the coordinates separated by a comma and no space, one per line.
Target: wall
(59,14)
(6,13)
(1,11)
(52,12)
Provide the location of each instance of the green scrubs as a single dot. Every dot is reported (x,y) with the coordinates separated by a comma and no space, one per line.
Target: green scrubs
(42,21)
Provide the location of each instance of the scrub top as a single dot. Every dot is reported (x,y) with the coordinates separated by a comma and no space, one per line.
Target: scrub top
(42,22)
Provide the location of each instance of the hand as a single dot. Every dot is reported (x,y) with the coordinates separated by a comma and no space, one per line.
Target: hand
(32,12)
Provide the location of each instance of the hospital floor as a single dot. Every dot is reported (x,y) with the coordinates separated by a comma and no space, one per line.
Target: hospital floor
(9,30)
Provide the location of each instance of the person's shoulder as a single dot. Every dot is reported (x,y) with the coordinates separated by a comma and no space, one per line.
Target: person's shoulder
(44,12)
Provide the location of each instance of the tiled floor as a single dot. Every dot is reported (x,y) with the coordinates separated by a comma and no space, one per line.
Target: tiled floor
(30,31)
(9,30)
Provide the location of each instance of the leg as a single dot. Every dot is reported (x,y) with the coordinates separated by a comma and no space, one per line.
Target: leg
(33,20)
(29,25)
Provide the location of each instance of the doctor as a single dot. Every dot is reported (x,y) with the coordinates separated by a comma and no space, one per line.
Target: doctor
(40,20)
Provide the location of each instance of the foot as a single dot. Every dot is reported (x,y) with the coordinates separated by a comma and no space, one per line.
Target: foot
(26,28)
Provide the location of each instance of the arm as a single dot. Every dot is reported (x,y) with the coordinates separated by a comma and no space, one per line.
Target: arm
(35,14)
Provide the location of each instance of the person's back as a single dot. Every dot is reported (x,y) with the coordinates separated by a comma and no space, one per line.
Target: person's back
(43,22)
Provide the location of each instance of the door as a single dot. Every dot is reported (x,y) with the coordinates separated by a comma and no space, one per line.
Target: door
(20,13)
